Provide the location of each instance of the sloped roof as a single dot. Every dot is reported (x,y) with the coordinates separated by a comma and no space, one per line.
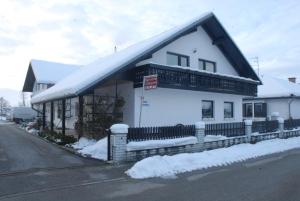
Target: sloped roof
(46,72)
(101,69)
(275,87)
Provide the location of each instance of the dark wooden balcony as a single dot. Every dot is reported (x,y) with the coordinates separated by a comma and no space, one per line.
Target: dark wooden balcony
(178,78)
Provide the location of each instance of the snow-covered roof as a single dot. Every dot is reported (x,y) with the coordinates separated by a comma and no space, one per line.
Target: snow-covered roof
(47,72)
(93,73)
(275,87)
(51,72)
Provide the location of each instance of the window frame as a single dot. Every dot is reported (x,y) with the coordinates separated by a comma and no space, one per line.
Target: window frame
(245,113)
(204,61)
(179,56)
(213,109)
(232,109)
(262,112)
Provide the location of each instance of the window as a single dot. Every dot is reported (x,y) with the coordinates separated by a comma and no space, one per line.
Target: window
(247,110)
(228,109)
(207,65)
(177,59)
(260,110)
(59,109)
(207,109)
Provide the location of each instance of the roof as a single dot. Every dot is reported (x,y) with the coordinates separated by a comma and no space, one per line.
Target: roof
(274,87)
(98,71)
(46,72)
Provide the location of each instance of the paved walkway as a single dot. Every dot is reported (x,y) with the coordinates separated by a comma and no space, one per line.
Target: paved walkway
(21,151)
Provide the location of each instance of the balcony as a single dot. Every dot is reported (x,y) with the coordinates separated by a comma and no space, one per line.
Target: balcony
(188,79)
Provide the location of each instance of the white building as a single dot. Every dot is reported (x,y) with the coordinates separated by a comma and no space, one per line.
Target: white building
(275,97)
(202,75)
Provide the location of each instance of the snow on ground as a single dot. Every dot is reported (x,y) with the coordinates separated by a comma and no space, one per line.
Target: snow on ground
(152,144)
(94,149)
(211,138)
(169,166)
(83,142)
(2,118)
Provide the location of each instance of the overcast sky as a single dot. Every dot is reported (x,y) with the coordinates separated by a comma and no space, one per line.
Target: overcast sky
(80,31)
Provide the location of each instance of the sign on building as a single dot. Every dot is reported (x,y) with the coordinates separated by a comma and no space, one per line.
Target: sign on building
(150,82)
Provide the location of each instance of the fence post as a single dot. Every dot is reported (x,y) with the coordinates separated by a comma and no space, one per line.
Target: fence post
(200,133)
(281,127)
(119,141)
(248,129)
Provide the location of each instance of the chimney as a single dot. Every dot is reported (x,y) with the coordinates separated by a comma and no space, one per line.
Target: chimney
(292,79)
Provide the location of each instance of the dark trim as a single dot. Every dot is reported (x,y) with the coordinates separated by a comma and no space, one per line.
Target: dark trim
(268,98)
(44,116)
(188,79)
(52,116)
(179,56)
(63,117)
(207,61)
(80,116)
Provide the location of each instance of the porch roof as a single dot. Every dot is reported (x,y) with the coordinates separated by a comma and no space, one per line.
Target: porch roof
(104,68)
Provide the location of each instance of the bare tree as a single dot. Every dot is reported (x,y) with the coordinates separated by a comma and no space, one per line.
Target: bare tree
(4,106)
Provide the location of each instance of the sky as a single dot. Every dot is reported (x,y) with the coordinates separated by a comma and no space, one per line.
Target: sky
(80,31)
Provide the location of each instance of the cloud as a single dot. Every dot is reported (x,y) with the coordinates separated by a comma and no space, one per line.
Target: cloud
(81,31)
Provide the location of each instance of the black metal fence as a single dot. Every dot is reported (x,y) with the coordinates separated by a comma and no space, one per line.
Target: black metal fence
(264,126)
(160,133)
(226,129)
(290,124)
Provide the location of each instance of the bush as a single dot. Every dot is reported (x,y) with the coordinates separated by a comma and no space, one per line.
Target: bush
(57,138)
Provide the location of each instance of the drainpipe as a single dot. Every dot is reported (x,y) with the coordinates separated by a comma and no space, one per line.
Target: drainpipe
(289,103)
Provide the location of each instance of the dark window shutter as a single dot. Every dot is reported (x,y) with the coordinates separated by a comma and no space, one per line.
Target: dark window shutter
(264,110)
(244,110)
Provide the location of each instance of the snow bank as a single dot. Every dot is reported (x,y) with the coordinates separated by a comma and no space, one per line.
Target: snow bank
(169,166)
(96,150)
(210,138)
(82,143)
(152,144)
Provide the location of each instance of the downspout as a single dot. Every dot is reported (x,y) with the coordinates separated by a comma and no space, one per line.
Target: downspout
(289,103)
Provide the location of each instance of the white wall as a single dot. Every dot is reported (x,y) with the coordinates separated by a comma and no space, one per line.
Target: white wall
(205,50)
(174,106)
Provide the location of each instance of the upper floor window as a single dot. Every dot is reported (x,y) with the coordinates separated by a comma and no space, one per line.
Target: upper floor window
(207,109)
(178,59)
(207,65)
(228,109)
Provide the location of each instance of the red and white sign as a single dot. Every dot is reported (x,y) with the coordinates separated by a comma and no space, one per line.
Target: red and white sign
(150,82)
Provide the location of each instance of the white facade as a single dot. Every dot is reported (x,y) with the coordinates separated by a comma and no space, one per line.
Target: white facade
(196,45)
(173,106)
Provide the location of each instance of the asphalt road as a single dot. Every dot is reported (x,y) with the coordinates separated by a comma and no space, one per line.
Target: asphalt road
(22,151)
(275,177)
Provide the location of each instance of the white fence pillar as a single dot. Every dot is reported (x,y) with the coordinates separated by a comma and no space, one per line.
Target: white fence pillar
(119,142)
(281,127)
(200,133)
(248,129)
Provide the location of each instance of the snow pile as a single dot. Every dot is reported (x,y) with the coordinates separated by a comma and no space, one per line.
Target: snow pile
(169,166)
(82,143)
(96,150)
(152,144)
(211,138)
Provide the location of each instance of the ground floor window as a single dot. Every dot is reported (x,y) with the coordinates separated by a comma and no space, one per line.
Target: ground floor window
(228,109)
(207,109)
(260,110)
(247,110)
